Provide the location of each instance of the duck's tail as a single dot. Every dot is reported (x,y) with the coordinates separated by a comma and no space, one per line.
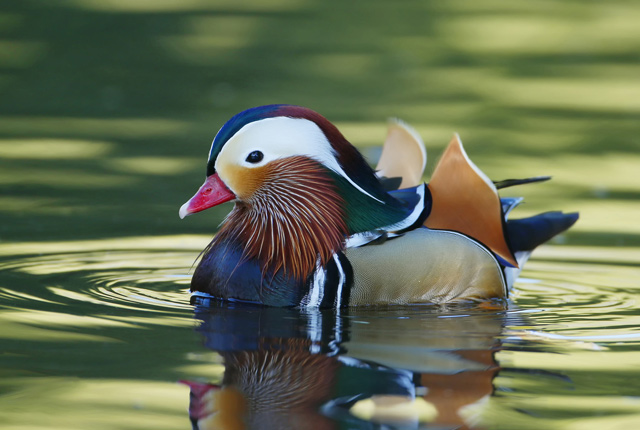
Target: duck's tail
(527,233)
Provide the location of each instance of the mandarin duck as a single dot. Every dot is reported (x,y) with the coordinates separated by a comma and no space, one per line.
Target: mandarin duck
(314,225)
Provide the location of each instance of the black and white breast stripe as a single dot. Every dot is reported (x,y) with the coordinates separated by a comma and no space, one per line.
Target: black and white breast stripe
(330,286)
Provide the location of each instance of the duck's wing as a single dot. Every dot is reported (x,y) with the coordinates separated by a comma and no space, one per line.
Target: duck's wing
(416,203)
(465,200)
(403,157)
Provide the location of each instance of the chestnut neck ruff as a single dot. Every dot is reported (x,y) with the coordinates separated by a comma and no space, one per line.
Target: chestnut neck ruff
(293,220)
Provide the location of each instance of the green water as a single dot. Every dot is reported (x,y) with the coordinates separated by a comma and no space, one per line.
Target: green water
(107,109)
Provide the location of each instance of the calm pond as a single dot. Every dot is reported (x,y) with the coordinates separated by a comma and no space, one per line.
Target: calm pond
(97,335)
(107,111)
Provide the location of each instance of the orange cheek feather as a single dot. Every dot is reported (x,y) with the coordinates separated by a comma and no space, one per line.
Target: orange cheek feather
(244,181)
(297,218)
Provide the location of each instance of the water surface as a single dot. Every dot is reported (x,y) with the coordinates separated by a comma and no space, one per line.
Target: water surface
(97,334)
(107,109)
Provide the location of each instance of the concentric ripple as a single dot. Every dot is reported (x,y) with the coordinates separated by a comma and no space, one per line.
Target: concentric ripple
(581,297)
(134,274)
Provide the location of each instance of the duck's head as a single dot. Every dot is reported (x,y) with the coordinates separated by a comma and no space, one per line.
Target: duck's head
(293,176)
(275,140)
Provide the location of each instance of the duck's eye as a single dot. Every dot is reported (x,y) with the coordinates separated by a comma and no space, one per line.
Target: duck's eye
(255,157)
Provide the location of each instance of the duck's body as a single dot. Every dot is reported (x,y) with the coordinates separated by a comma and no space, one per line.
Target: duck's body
(313,225)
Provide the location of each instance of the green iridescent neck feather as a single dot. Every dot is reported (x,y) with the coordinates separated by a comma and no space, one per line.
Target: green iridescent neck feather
(364,213)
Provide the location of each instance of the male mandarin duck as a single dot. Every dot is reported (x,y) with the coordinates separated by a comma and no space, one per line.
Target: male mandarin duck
(315,226)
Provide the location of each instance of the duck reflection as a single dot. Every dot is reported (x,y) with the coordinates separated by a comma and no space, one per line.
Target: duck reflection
(361,368)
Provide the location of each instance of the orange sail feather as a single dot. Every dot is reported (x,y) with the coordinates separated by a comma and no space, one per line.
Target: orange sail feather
(466,201)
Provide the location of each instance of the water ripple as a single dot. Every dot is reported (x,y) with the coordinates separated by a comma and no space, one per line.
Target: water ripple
(583,301)
(147,278)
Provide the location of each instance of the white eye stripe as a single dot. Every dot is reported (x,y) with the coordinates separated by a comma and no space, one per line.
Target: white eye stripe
(277,138)
(281,137)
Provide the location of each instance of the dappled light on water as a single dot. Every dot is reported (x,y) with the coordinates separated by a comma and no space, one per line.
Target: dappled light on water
(107,109)
(109,300)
